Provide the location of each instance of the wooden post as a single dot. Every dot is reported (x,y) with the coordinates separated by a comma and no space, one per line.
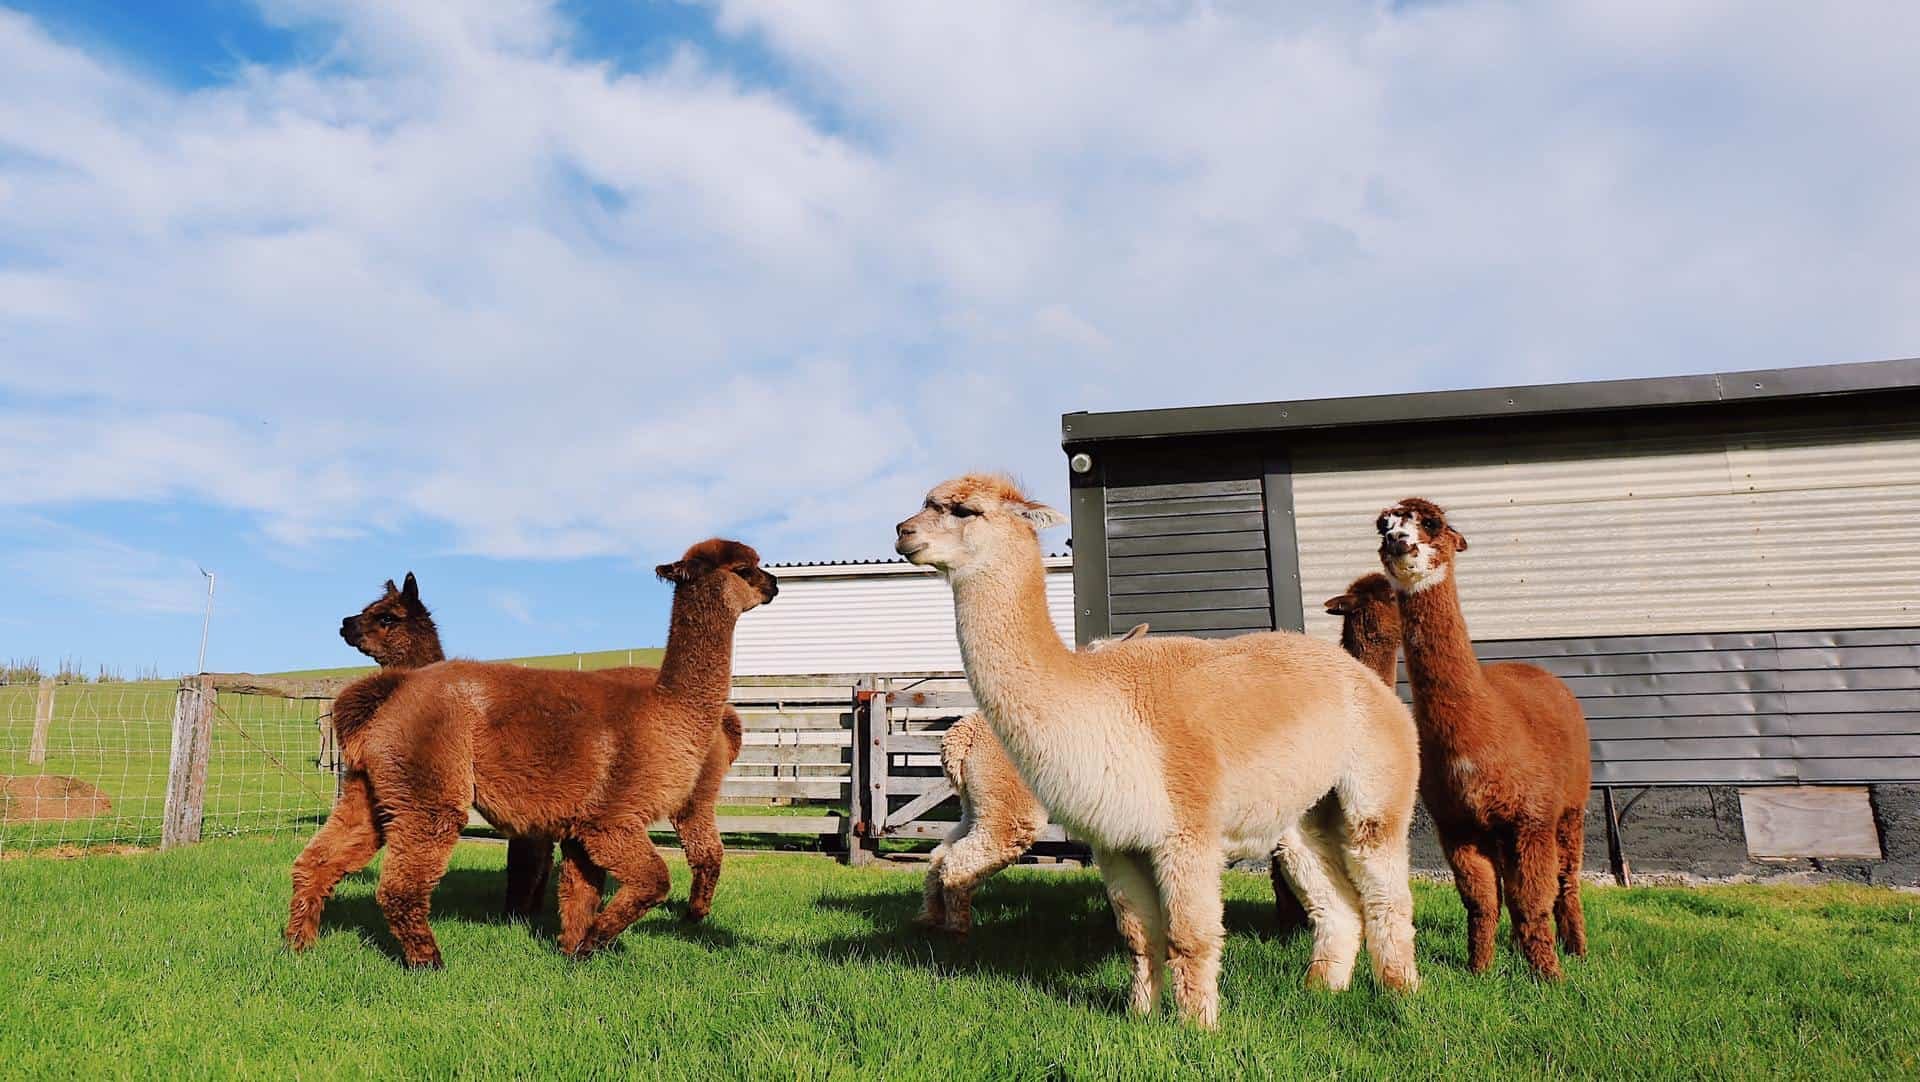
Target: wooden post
(853,830)
(42,722)
(876,748)
(1616,855)
(187,764)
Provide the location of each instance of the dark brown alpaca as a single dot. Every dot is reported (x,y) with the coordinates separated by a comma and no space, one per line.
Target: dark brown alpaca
(1504,762)
(397,630)
(587,758)
(1370,631)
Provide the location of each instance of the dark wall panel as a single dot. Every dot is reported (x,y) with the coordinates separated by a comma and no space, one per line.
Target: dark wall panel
(1186,542)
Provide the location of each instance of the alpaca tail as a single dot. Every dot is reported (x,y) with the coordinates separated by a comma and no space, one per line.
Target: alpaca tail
(955,746)
(355,706)
(730,725)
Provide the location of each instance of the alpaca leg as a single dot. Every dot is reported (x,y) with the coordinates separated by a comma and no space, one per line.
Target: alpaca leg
(529,866)
(989,847)
(1313,865)
(418,847)
(343,845)
(1531,870)
(1142,921)
(1479,886)
(581,883)
(933,901)
(699,833)
(1288,913)
(631,857)
(1567,915)
(1378,866)
(1189,876)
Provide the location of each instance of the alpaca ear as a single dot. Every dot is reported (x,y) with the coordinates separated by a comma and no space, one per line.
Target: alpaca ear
(1134,632)
(391,588)
(1340,606)
(1459,539)
(683,570)
(1041,517)
(410,591)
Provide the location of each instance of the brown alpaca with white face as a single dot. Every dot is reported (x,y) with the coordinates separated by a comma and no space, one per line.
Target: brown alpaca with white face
(397,631)
(1168,754)
(584,757)
(1504,761)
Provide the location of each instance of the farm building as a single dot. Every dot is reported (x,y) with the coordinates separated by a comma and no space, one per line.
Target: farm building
(1718,565)
(867,617)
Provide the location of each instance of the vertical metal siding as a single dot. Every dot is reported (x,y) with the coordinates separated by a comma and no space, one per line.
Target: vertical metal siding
(877,621)
(1640,526)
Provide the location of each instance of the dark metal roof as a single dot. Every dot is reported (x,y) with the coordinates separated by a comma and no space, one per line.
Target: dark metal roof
(1550,398)
(871,562)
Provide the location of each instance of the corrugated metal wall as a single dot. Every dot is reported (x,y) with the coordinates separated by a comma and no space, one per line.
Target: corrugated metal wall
(867,619)
(1643,525)
(1788,707)
(1187,543)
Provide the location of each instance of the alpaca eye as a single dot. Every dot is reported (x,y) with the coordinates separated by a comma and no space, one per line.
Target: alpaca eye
(387,621)
(1432,525)
(963,511)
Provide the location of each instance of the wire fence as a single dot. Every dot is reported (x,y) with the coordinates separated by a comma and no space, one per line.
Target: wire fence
(86,766)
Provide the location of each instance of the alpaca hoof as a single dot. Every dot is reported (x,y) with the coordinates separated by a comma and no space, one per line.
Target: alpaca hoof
(694,915)
(427,961)
(1548,973)
(1321,977)
(298,942)
(1401,981)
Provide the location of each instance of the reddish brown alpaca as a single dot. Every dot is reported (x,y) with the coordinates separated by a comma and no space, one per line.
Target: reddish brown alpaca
(1504,763)
(584,757)
(397,631)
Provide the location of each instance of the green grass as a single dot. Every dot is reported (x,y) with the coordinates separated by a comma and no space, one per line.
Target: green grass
(589,660)
(169,964)
(263,774)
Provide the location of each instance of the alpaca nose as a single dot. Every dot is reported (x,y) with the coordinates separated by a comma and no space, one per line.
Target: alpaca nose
(904,529)
(1395,545)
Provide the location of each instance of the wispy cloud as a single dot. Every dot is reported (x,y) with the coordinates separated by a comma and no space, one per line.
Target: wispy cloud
(452,276)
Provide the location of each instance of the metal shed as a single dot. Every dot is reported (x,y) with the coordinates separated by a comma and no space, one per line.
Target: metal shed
(1719,565)
(863,617)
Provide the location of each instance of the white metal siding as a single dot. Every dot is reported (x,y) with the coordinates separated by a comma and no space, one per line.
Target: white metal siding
(1641,527)
(886,620)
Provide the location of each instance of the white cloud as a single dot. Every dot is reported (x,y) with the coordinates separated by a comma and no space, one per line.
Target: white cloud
(79,565)
(470,281)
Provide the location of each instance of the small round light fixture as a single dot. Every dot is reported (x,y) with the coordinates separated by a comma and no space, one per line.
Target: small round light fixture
(1080,463)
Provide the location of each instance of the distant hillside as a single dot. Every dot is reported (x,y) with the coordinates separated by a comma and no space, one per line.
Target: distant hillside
(598,659)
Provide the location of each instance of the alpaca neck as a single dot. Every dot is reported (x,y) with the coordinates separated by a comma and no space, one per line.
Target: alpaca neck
(1380,656)
(1007,638)
(423,649)
(1446,678)
(698,667)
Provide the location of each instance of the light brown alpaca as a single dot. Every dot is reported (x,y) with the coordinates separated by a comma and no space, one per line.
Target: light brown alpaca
(999,818)
(1505,764)
(1169,754)
(397,631)
(583,757)
(1370,631)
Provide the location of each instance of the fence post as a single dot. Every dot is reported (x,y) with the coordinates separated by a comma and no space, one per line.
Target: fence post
(877,725)
(42,722)
(187,764)
(853,831)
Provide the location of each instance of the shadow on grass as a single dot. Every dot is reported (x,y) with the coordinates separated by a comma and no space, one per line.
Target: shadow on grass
(478,896)
(1051,935)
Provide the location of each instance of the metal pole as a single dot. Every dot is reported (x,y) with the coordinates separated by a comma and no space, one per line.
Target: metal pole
(205,622)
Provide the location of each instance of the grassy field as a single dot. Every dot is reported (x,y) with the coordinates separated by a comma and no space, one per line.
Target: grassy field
(169,964)
(590,660)
(263,773)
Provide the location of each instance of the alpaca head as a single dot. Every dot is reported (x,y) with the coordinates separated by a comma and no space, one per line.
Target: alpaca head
(972,520)
(727,568)
(1417,546)
(1369,614)
(396,629)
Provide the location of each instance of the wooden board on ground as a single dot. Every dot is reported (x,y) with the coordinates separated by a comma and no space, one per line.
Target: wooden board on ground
(1832,822)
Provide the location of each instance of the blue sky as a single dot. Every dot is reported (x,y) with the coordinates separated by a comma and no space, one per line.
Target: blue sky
(526,297)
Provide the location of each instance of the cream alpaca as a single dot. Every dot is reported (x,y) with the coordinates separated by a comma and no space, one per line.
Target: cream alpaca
(1170,754)
(999,818)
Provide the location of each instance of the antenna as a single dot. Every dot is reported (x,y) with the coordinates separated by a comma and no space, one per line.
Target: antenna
(205,621)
